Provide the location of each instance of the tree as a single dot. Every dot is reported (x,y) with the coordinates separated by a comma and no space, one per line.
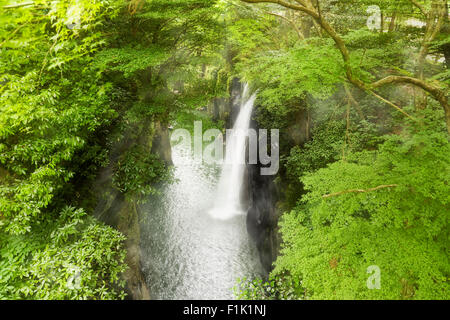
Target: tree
(77,78)
(435,17)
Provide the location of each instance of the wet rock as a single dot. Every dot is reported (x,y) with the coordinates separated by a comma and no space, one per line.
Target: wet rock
(113,209)
(161,143)
(262,215)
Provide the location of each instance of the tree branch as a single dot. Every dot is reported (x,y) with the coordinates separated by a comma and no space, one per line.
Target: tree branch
(420,7)
(11,35)
(439,94)
(352,100)
(18,5)
(436,92)
(391,104)
(326,26)
(300,7)
(299,33)
(360,190)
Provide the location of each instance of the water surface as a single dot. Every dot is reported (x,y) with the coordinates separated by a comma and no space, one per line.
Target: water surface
(186,253)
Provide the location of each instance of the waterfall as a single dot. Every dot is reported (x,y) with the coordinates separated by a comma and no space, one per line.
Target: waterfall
(188,251)
(228,198)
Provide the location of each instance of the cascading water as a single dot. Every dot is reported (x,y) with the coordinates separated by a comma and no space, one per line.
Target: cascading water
(228,200)
(186,252)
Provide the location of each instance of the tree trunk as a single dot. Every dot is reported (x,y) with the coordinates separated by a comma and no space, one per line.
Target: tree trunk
(392,24)
(446,30)
(435,18)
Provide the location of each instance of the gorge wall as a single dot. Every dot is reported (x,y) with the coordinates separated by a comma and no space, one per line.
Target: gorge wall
(266,196)
(123,214)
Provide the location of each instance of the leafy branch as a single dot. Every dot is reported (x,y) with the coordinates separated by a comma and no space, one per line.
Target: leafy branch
(359,190)
(436,20)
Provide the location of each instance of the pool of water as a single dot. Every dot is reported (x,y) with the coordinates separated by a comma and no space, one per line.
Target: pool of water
(186,253)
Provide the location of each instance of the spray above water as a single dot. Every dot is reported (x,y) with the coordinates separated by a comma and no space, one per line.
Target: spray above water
(228,200)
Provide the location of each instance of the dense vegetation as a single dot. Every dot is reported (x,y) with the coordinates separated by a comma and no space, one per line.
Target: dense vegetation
(363,115)
(77,78)
(369,185)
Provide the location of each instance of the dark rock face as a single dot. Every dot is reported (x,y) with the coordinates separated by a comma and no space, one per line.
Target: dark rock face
(299,131)
(161,144)
(227,109)
(235,101)
(262,215)
(259,192)
(267,198)
(113,209)
(218,108)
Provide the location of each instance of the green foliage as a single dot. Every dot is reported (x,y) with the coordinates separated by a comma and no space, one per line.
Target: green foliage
(78,78)
(330,242)
(42,132)
(54,110)
(55,113)
(185,120)
(307,68)
(329,144)
(324,148)
(276,288)
(311,68)
(73,257)
(47,116)
(129,60)
(137,173)
(370,187)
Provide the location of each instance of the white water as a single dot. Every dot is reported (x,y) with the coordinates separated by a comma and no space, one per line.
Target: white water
(186,253)
(228,199)
(188,250)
